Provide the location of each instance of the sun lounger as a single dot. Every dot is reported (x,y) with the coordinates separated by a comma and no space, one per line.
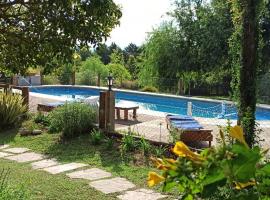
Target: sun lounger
(189,128)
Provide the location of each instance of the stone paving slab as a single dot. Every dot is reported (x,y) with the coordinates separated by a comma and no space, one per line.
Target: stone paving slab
(141,194)
(25,157)
(113,185)
(63,168)
(3,146)
(4,154)
(90,174)
(44,163)
(16,150)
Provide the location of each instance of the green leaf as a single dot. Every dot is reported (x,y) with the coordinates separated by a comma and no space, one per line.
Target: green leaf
(265,170)
(244,164)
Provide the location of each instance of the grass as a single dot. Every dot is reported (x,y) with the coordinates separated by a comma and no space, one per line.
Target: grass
(41,185)
(45,186)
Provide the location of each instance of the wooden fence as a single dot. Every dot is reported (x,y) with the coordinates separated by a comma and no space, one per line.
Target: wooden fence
(24,92)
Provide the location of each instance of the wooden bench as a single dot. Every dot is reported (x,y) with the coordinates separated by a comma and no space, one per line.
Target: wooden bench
(126,108)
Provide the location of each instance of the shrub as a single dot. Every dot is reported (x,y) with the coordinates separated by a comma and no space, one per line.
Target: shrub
(50,80)
(145,146)
(128,142)
(11,109)
(96,137)
(73,119)
(232,170)
(132,85)
(149,89)
(40,118)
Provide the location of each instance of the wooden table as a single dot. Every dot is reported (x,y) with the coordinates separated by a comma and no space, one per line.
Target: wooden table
(126,108)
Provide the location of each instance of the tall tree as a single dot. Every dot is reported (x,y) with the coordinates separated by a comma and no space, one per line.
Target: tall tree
(33,32)
(245,18)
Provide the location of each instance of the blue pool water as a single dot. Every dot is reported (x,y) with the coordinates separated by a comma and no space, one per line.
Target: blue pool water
(157,103)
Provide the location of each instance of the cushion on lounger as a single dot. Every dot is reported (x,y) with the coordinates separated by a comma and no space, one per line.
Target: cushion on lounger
(179,117)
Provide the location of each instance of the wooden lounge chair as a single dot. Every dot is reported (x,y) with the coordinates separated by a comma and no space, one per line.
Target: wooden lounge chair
(190,129)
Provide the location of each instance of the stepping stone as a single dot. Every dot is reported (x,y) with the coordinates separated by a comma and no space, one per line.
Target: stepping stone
(16,150)
(26,157)
(3,154)
(90,174)
(44,163)
(65,167)
(113,185)
(141,194)
(3,146)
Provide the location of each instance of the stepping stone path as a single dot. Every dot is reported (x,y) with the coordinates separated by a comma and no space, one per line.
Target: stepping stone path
(90,174)
(141,194)
(99,179)
(63,168)
(16,150)
(44,163)
(113,185)
(3,154)
(3,146)
(25,157)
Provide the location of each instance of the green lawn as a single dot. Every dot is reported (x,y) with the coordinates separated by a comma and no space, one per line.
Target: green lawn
(45,186)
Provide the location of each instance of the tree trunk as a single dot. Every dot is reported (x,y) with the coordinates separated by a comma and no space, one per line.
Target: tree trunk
(248,70)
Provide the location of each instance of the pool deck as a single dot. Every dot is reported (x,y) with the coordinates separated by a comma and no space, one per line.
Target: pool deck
(152,125)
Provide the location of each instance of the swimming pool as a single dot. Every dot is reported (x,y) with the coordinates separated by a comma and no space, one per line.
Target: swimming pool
(160,103)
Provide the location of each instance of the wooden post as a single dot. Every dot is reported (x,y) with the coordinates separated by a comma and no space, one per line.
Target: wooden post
(25,95)
(102,110)
(110,111)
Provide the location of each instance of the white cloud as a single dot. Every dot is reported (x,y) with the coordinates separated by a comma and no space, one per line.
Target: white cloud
(138,18)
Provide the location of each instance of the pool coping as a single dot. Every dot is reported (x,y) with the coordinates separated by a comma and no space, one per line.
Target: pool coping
(147,93)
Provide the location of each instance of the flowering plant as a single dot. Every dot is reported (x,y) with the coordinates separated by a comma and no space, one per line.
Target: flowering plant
(236,168)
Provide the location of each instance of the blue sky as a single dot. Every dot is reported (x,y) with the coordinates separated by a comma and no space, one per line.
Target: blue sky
(138,18)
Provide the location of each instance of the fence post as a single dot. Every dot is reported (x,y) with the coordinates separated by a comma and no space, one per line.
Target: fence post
(189,108)
(102,110)
(25,95)
(110,111)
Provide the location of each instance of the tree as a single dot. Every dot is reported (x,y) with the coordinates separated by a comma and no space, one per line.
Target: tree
(34,32)
(117,57)
(245,38)
(92,69)
(119,72)
(103,51)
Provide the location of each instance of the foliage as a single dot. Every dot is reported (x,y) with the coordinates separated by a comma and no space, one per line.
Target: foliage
(41,118)
(10,193)
(117,57)
(11,109)
(119,73)
(128,142)
(244,45)
(149,89)
(92,71)
(50,80)
(33,34)
(72,119)
(195,42)
(65,74)
(145,146)
(96,137)
(235,168)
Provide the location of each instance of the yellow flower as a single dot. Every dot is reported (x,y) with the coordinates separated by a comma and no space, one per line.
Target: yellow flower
(167,165)
(237,133)
(240,186)
(182,150)
(154,179)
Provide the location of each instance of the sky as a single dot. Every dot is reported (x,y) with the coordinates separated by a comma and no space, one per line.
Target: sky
(139,17)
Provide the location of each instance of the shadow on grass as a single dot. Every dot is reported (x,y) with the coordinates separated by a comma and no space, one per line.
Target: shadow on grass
(7,136)
(81,150)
